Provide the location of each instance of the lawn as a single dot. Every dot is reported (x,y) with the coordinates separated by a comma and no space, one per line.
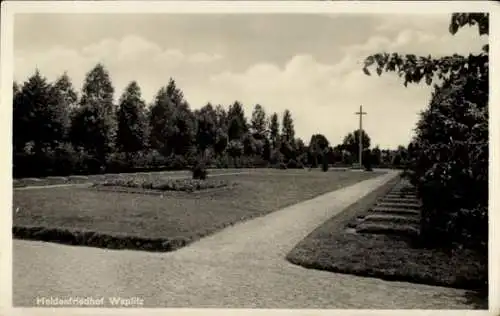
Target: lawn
(86,216)
(334,247)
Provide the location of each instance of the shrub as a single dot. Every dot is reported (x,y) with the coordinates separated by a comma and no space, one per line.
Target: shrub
(185,185)
(292,164)
(118,162)
(199,171)
(153,159)
(177,162)
(324,162)
(222,162)
(282,166)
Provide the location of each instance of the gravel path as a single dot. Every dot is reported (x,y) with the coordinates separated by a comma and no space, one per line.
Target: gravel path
(240,267)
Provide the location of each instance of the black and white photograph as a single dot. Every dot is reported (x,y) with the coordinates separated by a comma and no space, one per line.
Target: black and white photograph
(222,155)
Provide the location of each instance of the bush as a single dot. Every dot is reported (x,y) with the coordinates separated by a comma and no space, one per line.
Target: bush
(117,163)
(153,159)
(185,185)
(199,171)
(454,190)
(324,162)
(222,162)
(281,166)
(292,164)
(177,162)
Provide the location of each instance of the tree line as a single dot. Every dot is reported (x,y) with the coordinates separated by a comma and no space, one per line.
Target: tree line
(58,131)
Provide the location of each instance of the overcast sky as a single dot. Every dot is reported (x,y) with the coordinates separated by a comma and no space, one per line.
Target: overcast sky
(309,64)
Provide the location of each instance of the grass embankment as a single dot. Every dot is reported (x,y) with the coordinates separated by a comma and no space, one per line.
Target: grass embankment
(386,249)
(85,216)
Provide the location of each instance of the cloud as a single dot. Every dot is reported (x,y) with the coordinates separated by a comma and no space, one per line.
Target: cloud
(129,58)
(322,96)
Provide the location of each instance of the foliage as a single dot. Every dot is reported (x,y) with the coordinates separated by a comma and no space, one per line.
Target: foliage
(288,129)
(237,124)
(293,164)
(324,161)
(38,116)
(258,122)
(448,159)
(186,185)
(131,135)
(94,123)
(351,142)
(200,171)
(367,160)
(274,132)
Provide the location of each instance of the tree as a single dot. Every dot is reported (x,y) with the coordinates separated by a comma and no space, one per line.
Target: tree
(94,123)
(376,155)
(288,136)
(450,151)
(18,142)
(37,117)
(274,133)
(301,151)
(237,124)
(131,134)
(206,132)
(185,130)
(172,124)
(67,99)
(160,122)
(351,143)
(258,123)
(288,130)
(235,150)
(249,145)
(317,145)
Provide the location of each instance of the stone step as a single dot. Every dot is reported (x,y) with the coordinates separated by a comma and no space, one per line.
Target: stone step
(400,200)
(388,229)
(393,195)
(393,210)
(403,189)
(410,206)
(390,218)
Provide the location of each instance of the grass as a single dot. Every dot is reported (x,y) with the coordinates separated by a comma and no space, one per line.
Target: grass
(83,216)
(333,247)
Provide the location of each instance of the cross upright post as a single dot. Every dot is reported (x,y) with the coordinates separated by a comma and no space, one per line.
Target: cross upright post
(360,113)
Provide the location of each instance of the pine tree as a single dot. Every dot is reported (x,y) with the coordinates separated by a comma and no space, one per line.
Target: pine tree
(172,123)
(288,129)
(67,99)
(237,124)
(258,122)
(94,123)
(206,131)
(37,118)
(274,133)
(131,134)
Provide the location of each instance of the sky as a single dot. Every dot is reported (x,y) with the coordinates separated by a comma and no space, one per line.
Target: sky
(309,64)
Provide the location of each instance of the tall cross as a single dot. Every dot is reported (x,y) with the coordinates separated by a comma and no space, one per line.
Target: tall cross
(360,113)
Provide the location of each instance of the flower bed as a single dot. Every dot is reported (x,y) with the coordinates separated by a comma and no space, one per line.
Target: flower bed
(184,185)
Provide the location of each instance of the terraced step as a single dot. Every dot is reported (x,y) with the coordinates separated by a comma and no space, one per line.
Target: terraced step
(410,206)
(393,210)
(388,229)
(390,218)
(400,200)
(408,196)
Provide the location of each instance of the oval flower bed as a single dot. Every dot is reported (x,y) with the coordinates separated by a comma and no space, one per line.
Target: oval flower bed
(184,185)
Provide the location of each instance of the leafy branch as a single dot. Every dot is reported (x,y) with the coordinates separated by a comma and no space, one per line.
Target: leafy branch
(416,68)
